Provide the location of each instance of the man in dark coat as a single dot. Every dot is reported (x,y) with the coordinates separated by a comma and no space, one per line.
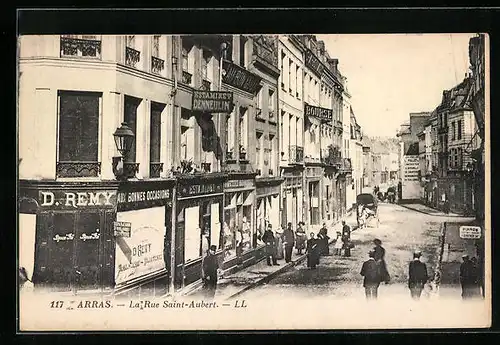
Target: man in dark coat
(346,238)
(210,267)
(371,273)
(417,276)
(270,242)
(467,279)
(323,240)
(379,256)
(289,240)
(312,250)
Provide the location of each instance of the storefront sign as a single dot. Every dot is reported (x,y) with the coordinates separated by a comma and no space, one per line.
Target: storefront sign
(313,63)
(268,190)
(238,184)
(323,114)
(212,101)
(141,253)
(470,232)
(65,199)
(411,168)
(136,196)
(122,229)
(240,78)
(199,189)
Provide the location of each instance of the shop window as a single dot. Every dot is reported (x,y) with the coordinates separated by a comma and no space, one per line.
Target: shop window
(130,117)
(192,233)
(78,134)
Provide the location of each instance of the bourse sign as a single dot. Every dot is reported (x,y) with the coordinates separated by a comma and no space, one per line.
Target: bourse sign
(212,101)
(323,114)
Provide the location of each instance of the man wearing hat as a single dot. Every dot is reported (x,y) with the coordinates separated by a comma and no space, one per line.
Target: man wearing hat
(210,267)
(372,278)
(417,275)
(467,277)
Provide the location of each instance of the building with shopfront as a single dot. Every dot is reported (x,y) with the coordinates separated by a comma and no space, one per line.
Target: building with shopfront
(356,154)
(291,128)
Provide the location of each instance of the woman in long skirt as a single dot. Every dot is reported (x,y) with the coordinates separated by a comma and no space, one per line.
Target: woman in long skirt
(312,251)
(300,238)
(279,244)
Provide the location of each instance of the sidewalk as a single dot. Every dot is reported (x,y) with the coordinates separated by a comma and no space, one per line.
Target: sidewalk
(428,210)
(235,284)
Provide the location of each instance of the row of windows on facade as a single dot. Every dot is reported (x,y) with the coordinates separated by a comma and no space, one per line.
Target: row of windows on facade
(79,126)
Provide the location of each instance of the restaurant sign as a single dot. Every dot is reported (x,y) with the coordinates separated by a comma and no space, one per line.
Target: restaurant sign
(313,63)
(323,114)
(199,189)
(212,101)
(240,78)
(136,196)
(76,199)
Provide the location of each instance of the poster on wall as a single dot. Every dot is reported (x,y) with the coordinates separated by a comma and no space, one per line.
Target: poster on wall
(142,252)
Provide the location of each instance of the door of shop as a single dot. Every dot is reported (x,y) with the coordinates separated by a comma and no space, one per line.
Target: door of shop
(74,250)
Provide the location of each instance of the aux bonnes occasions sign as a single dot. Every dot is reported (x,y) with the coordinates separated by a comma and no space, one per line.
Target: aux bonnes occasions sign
(212,101)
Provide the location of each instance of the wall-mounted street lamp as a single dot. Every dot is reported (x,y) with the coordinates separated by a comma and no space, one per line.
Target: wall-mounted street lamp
(124,139)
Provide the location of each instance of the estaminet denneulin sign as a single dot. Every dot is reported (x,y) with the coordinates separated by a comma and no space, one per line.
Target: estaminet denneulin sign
(213,101)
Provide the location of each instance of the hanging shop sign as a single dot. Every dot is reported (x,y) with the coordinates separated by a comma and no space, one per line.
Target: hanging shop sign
(212,101)
(240,78)
(122,229)
(323,114)
(314,64)
(76,199)
(199,189)
(140,195)
(470,232)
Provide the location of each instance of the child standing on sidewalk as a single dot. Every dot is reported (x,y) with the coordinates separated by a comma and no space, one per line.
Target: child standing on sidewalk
(338,244)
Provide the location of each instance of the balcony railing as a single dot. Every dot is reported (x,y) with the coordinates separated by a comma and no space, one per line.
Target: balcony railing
(79,47)
(130,169)
(157,65)
(78,169)
(132,56)
(155,168)
(186,77)
(205,85)
(295,154)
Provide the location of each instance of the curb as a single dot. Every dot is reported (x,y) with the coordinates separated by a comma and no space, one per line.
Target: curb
(451,215)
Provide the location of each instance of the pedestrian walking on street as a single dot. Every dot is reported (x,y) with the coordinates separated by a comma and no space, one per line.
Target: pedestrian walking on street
(468,278)
(312,251)
(346,239)
(371,273)
(279,244)
(417,276)
(338,244)
(270,242)
(476,276)
(380,258)
(323,240)
(289,241)
(210,268)
(301,238)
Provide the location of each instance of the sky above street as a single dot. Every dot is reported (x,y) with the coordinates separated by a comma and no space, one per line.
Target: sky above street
(390,76)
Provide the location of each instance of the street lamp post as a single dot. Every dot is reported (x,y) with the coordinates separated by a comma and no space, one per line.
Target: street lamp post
(124,139)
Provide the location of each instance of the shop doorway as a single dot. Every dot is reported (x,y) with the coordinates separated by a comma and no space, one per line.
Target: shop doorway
(74,251)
